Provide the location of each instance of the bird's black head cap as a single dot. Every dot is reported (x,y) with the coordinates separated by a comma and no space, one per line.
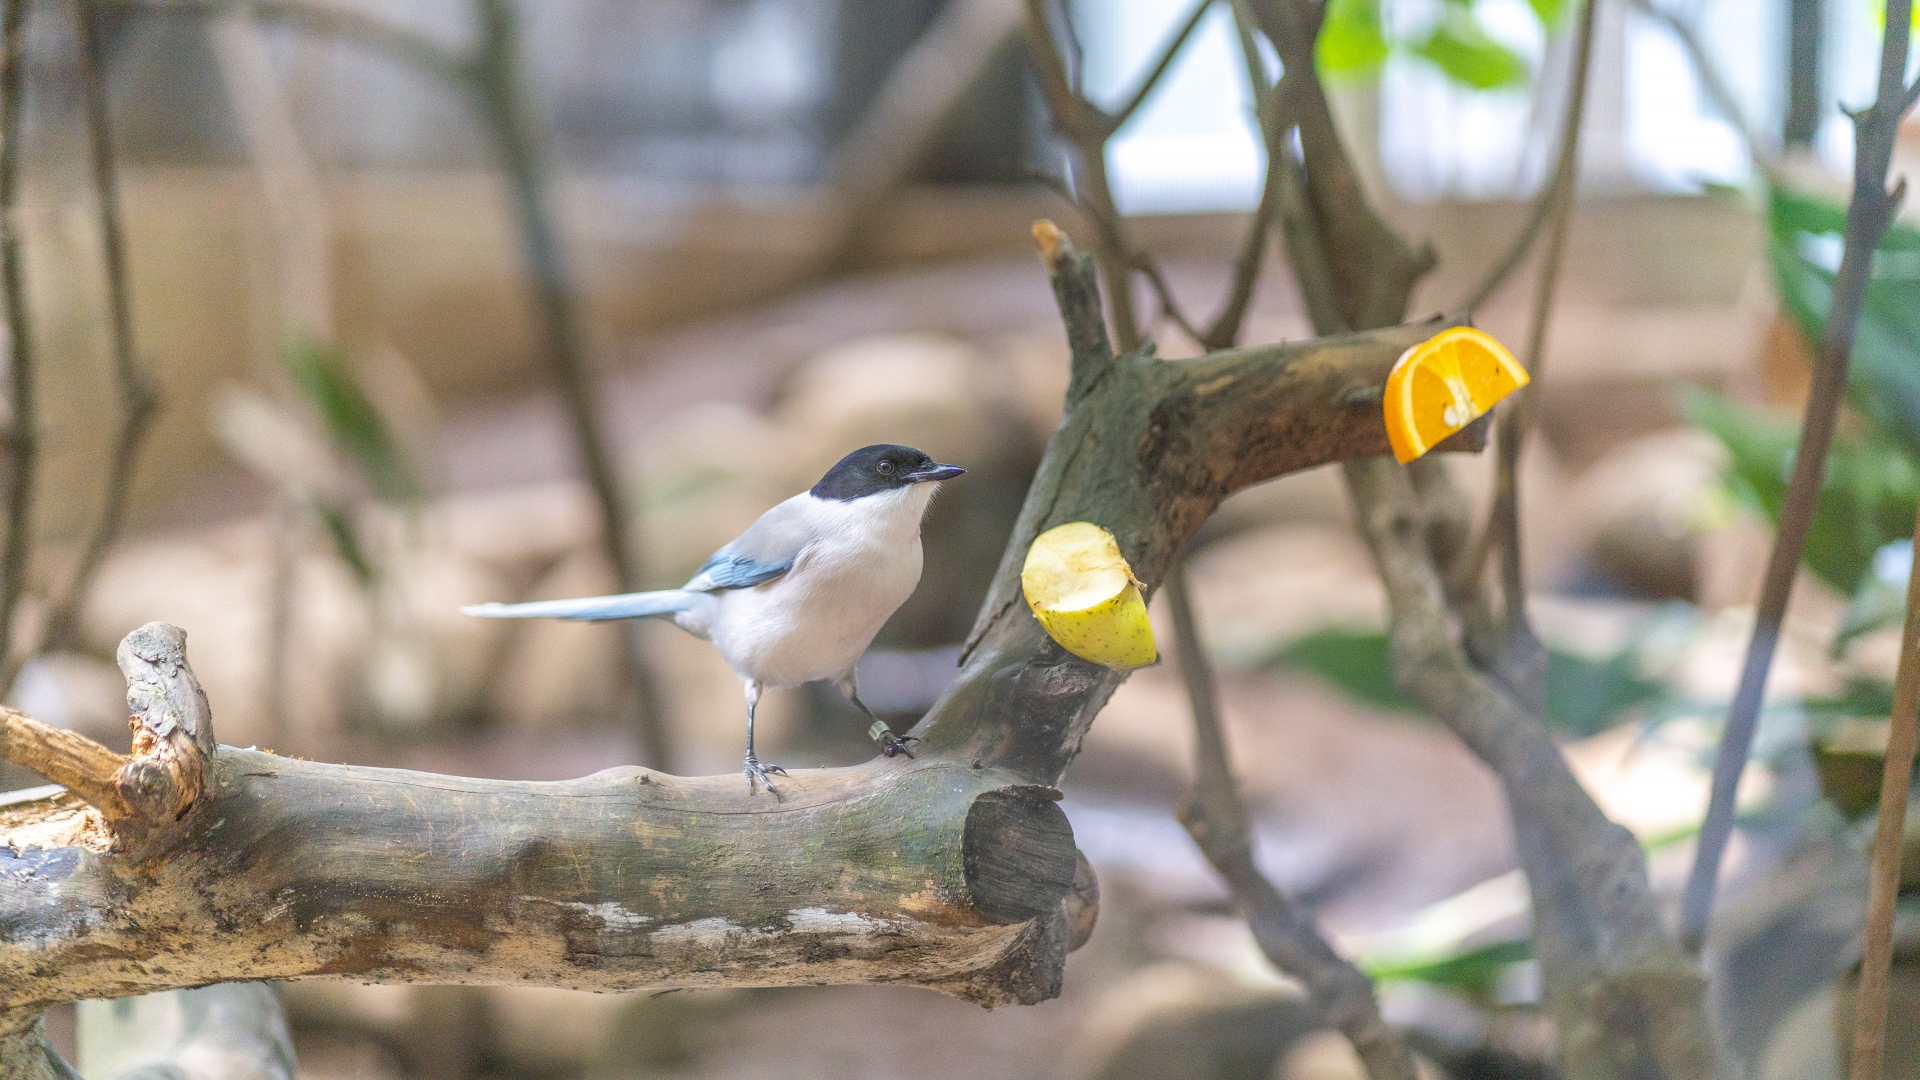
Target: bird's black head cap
(882,467)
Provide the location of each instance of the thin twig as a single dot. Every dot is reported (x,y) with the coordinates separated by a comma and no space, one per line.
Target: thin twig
(1560,187)
(79,764)
(326,21)
(503,105)
(1119,117)
(1216,818)
(21,437)
(138,401)
(1554,209)
(1087,128)
(1271,112)
(1876,964)
(1868,215)
(1711,81)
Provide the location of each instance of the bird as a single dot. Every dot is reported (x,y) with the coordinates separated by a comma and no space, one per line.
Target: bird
(801,593)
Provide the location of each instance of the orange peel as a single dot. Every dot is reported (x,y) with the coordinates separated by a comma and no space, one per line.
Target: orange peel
(1443,384)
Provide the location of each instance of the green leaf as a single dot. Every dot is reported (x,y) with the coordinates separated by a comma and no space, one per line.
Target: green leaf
(1883,378)
(1586,697)
(1583,696)
(1474,973)
(1867,499)
(1465,53)
(1356,661)
(355,426)
(1351,45)
(1550,12)
(346,543)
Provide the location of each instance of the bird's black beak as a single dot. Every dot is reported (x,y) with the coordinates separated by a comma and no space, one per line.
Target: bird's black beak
(934,472)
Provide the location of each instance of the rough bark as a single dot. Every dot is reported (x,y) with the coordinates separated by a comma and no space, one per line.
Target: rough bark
(954,871)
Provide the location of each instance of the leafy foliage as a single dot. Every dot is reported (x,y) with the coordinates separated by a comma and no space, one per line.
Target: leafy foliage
(353,423)
(1883,385)
(1467,55)
(1474,974)
(1584,696)
(1351,44)
(1355,41)
(1867,499)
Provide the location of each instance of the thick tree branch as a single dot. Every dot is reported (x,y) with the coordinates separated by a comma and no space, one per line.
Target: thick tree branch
(1217,820)
(1868,214)
(1619,989)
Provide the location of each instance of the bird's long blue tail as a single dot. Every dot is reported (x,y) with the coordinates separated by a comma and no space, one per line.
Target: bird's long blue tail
(639,605)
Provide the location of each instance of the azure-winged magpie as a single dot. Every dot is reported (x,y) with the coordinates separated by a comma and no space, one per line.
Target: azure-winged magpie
(800,594)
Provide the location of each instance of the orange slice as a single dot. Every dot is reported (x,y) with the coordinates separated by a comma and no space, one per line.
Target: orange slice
(1443,384)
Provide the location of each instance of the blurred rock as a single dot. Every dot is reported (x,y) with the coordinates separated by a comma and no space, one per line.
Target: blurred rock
(1181,1021)
(1327,1055)
(1641,508)
(1257,590)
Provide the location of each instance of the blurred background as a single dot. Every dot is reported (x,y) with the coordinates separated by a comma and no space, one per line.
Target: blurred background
(360,237)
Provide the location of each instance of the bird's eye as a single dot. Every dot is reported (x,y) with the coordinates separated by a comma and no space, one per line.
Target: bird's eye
(885,467)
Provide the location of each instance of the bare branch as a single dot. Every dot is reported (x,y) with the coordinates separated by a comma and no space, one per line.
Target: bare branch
(1086,127)
(1556,201)
(1876,963)
(1119,117)
(1597,929)
(22,440)
(1711,80)
(1868,215)
(327,21)
(1077,294)
(1275,123)
(1217,820)
(75,762)
(1371,268)
(1518,658)
(138,400)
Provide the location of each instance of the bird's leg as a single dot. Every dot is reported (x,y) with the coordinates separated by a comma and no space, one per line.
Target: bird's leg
(753,768)
(890,744)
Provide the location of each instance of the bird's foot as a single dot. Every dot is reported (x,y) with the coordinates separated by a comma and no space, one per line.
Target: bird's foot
(761,773)
(891,744)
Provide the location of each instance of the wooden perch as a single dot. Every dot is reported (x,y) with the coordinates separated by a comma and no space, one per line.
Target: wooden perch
(955,870)
(143,797)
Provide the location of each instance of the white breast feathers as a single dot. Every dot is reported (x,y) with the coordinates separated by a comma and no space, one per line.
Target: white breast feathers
(813,622)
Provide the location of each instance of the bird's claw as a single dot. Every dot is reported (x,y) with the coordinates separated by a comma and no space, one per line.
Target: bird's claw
(762,773)
(891,744)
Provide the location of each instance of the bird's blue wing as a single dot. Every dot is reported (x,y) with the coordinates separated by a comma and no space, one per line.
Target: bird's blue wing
(765,551)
